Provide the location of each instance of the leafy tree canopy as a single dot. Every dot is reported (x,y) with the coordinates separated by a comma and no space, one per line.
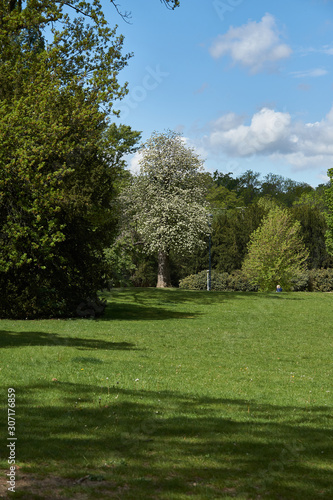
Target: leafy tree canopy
(329,217)
(276,251)
(313,230)
(60,160)
(166,200)
(248,187)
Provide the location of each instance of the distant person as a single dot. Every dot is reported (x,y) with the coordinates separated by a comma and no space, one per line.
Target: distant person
(278,288)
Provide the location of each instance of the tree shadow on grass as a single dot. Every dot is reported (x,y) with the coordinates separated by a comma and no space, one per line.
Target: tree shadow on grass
(166,444)
(160,304)
(166,296)
(127,311)
(176,296)
(34,338)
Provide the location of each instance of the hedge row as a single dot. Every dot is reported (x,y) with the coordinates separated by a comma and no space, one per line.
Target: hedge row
(220,282)
(316,280)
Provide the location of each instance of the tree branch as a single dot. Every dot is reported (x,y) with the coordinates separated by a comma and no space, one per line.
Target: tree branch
(76,9)
(171,4)
(126,16)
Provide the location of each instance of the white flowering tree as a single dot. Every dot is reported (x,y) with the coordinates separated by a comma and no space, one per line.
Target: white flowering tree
(166,200)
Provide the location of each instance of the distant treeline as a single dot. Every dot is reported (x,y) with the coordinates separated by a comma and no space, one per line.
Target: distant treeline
(238,206)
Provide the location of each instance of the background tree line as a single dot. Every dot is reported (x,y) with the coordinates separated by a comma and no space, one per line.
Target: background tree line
(238,206)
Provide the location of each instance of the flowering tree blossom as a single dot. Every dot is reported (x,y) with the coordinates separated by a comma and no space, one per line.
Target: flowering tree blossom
(167,200)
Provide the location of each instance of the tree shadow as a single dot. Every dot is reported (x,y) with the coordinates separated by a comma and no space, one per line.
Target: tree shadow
(163,297)
(164,444)
(33,338)
(141,312)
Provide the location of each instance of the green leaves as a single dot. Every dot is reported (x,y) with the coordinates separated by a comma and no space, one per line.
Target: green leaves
(276,251)
(329,217)
(59,159)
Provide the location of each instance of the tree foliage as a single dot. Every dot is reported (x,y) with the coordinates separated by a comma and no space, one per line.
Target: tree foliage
(166,200)
(276,251)
(59,158)
(329,216)
(231,234)
(313,230)
(249,188)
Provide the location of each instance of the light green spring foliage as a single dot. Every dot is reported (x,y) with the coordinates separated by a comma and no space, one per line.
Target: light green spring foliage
(59,157)
(329,215)
(167,197)
(276,251)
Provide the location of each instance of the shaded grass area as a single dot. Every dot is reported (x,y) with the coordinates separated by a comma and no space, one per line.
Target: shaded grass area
(174,394)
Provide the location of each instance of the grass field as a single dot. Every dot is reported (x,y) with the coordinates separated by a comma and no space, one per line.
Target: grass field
(172,395)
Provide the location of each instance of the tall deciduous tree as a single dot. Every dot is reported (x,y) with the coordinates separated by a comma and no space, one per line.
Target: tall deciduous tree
(276,251)
(59,158)
(167,200)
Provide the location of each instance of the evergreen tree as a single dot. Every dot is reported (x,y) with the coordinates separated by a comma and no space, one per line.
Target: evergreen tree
(313,230)
(329,216)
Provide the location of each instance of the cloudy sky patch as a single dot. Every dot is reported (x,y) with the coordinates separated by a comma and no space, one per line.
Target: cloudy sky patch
(255,45)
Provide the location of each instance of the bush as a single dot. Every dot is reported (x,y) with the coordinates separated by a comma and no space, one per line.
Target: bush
(145,275)
(194,281)
(238,282)
(300,283)
(38,298)
(316,280)
(321,280)
(220,282)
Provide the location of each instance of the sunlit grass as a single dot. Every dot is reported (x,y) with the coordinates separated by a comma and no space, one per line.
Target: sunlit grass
(175,394)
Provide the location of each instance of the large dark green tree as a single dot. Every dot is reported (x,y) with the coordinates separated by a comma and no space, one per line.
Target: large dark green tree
(231,232)
(313,230)
(60,160)
(329,216)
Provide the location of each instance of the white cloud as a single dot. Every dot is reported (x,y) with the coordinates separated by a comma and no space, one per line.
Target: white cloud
(254,45)
(276,136)
(323,177)
(328,50)
(310,73)
(229,121)
(265,132)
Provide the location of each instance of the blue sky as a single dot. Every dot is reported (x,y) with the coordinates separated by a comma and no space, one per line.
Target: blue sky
(248,83)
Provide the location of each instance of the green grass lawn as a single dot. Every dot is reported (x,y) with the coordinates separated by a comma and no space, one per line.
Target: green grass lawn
(173,394)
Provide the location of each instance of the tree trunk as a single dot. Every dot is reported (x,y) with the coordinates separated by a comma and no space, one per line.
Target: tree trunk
(163,277)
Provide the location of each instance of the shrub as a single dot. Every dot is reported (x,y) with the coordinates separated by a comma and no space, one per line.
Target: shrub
(238,282)
(321,280)
(144,275)
(194,281)
(300,283)
(316,280)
